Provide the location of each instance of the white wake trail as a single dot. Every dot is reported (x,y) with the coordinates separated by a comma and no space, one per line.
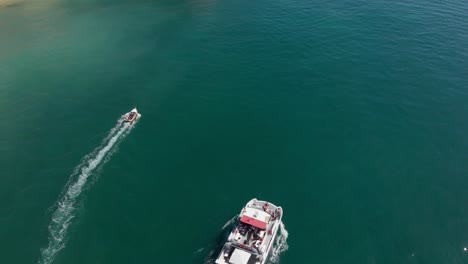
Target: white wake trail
(66,206)
(280,245)
(116,128)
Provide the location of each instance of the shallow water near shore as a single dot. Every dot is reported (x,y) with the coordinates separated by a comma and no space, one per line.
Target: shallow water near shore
(350,115)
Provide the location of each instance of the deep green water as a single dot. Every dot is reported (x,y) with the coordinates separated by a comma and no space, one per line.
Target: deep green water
(352,115)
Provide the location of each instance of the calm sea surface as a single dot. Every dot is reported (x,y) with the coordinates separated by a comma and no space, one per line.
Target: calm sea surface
(351,115)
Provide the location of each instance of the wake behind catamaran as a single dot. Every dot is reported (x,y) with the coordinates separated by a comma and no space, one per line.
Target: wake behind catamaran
(252,237)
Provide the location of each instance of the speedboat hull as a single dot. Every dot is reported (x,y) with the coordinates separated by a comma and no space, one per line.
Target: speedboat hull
(131,116)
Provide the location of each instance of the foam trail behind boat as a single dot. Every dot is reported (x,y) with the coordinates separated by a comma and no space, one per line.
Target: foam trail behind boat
(66,206)
(280,245)
(116,128)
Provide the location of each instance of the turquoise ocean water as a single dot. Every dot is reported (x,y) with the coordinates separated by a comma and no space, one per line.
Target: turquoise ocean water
(351,115)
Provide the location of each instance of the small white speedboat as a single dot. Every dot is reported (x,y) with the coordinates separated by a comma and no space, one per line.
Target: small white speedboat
(131,117)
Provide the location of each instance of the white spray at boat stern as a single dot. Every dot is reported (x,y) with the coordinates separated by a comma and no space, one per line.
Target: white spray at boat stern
(280,245)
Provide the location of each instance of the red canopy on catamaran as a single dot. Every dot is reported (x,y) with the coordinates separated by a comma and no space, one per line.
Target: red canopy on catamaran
(255,217)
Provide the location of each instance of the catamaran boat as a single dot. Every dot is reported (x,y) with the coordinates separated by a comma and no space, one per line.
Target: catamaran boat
(131,117)
(253,235)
